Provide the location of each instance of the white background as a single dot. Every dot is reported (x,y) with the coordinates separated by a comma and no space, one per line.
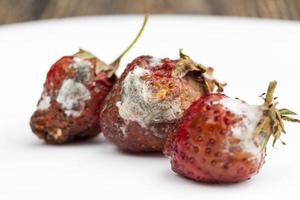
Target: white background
(247,54)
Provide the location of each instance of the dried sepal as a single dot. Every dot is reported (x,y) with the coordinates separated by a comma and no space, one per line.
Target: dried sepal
(271,123)
(110,69)
(100,65)
(285,111)
(83,54)
(186,66)
(279,119)
(290,119)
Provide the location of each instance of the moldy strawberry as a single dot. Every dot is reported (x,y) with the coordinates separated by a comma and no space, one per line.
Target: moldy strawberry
(149,98)
(72,98)
(223,140)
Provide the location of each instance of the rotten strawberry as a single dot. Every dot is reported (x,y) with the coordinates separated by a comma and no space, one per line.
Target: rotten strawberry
(149,98)
(72,98)
(223,140)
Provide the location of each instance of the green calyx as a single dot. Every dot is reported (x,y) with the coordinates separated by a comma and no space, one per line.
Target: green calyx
(271,123)
(187,66)
(111,68)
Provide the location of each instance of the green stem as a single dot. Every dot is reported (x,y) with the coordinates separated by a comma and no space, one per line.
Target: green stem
(133,42)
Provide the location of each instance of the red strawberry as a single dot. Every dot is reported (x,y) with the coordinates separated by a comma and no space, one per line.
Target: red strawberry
(223,140)
(73,93)
(149,98)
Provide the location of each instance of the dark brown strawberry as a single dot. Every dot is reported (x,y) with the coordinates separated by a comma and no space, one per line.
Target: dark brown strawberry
(73,94)
(149,98)
(223,140)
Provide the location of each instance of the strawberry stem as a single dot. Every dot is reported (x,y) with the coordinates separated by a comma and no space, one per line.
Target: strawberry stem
(269,96)
(111,68)
(116,62)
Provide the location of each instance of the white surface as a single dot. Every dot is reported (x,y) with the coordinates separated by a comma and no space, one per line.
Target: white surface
(246,53)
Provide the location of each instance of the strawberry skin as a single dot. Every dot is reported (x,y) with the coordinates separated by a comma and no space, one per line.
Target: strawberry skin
(71,100)
(204,148)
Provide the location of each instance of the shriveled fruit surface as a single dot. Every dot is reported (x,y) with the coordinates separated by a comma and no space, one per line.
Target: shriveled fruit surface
(72,97)
(73,94)
(150,97)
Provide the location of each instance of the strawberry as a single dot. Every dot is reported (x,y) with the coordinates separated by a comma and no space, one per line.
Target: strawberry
(223,140)
(73,94)
(149,98)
